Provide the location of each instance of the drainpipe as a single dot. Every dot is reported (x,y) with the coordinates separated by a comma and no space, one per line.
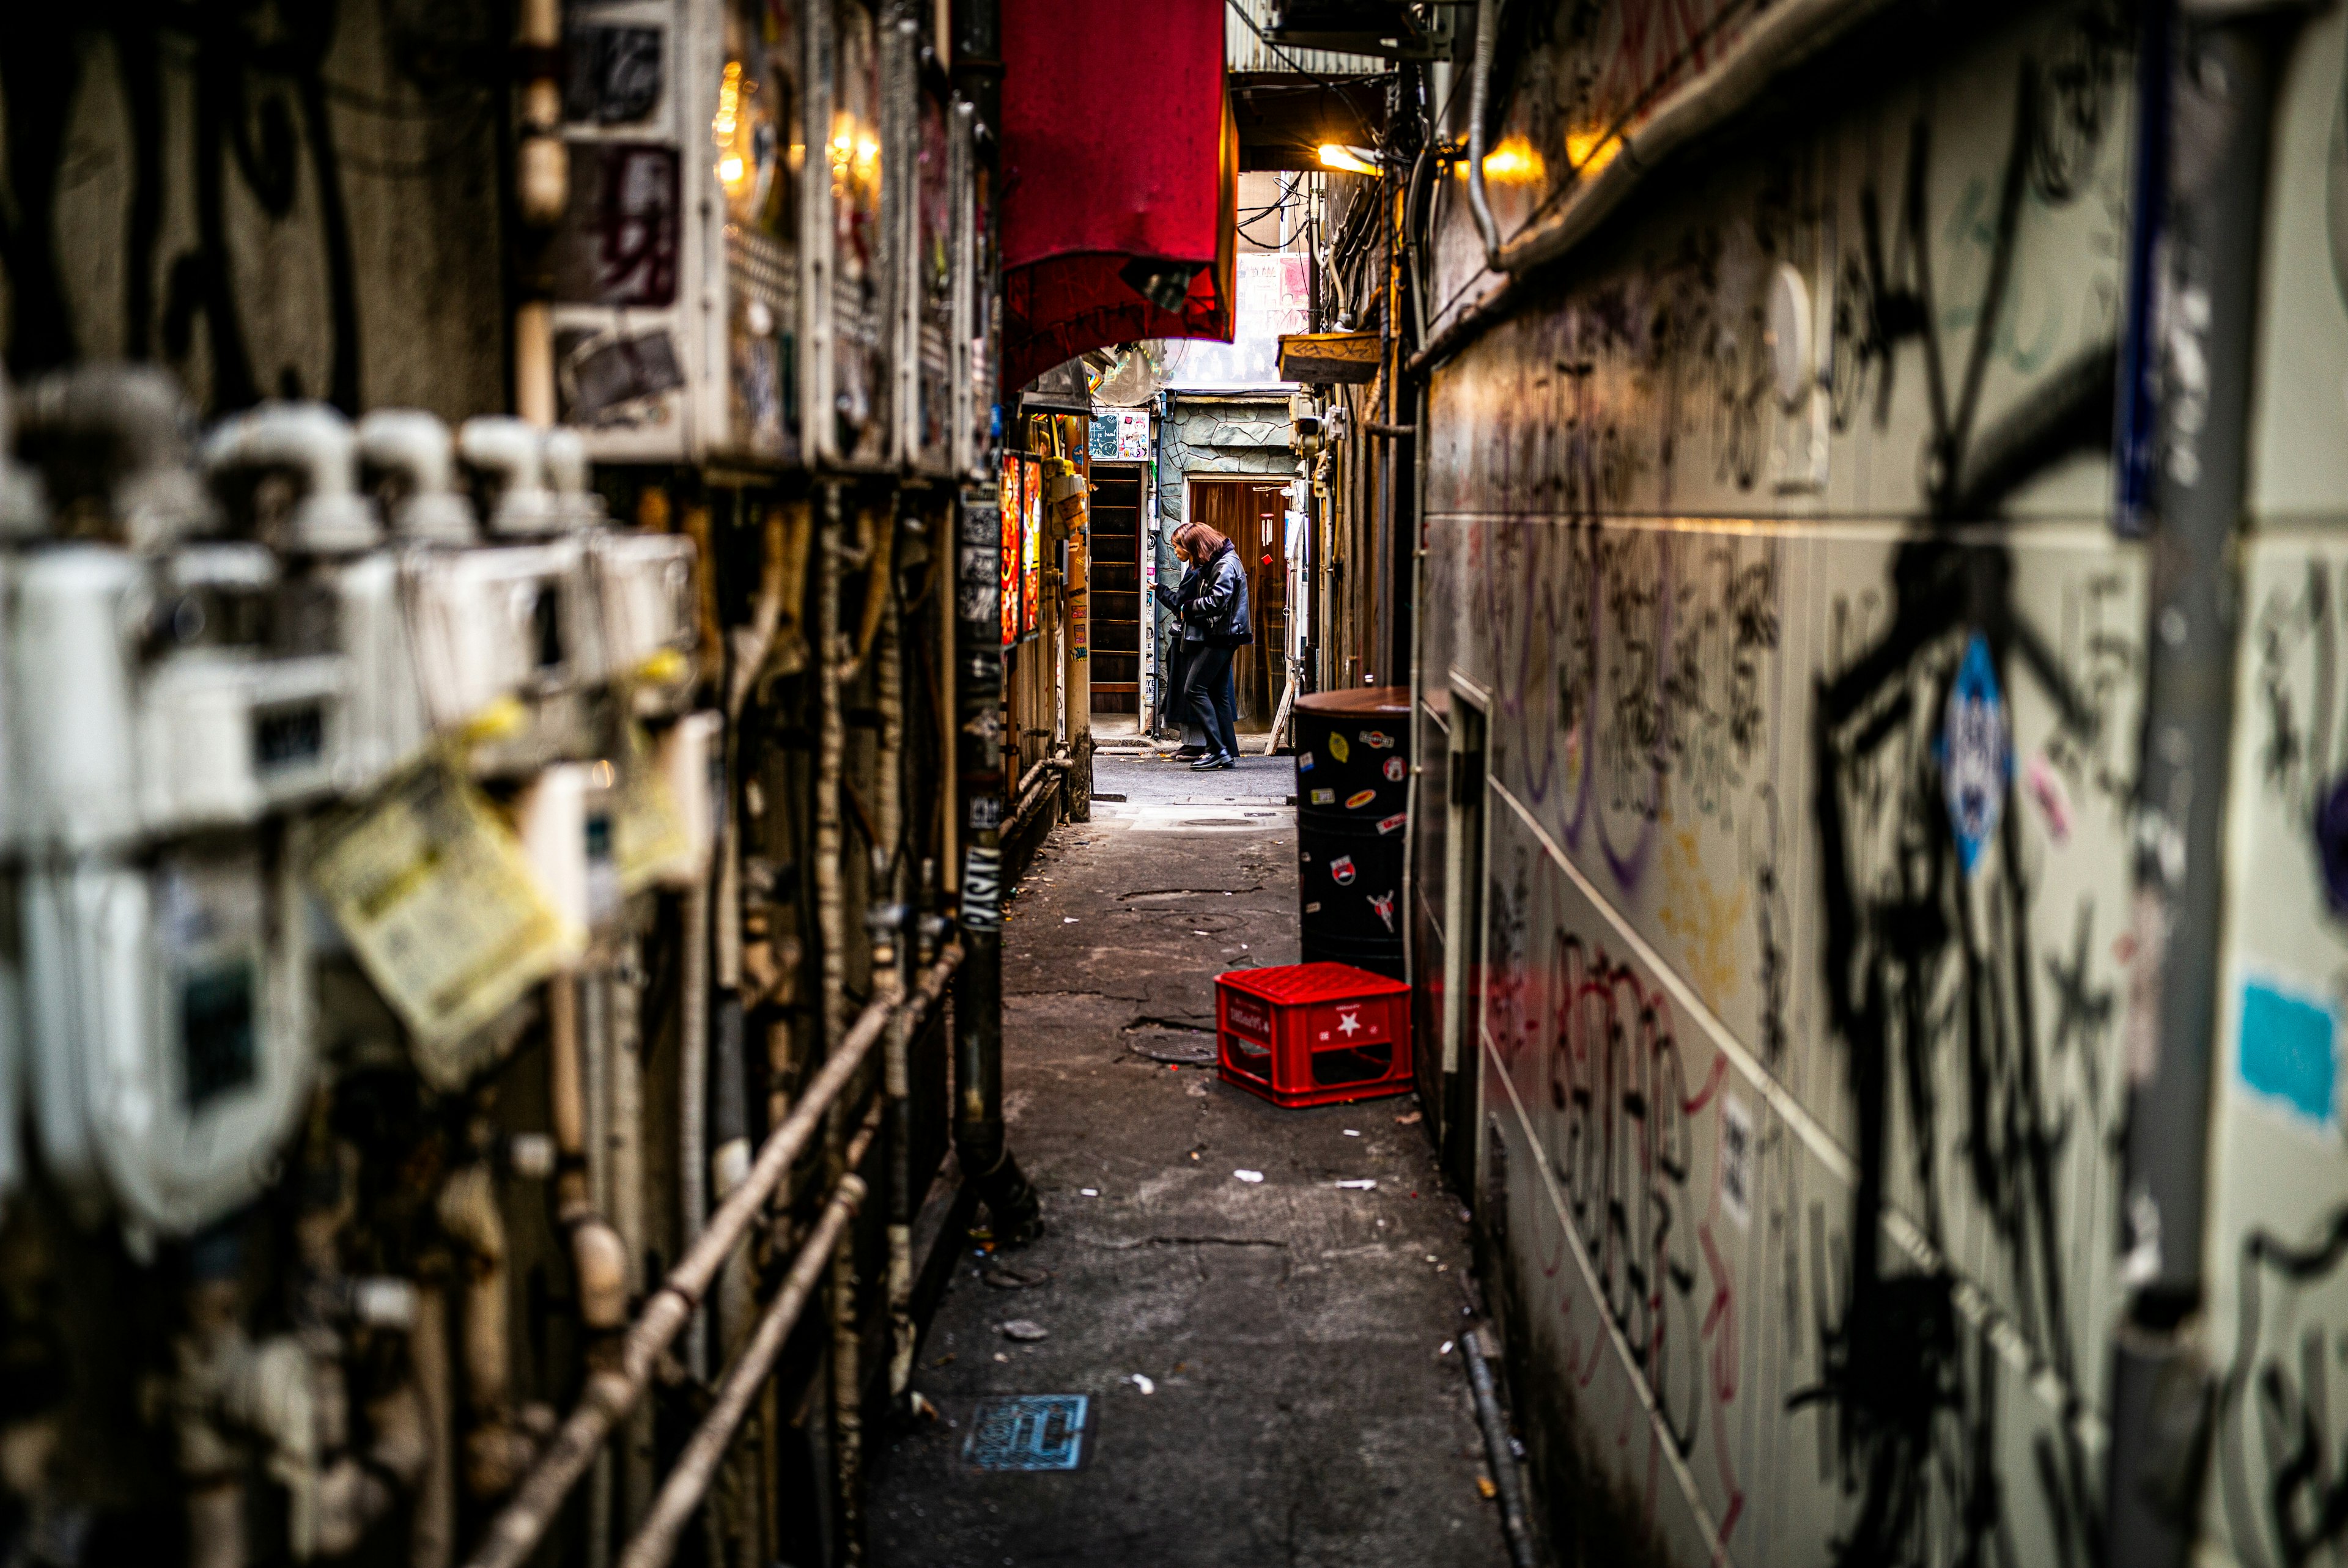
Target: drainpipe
(2224,83)
(980,1145)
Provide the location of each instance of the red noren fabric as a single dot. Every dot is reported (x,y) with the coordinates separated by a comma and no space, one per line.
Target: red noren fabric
(1118,143)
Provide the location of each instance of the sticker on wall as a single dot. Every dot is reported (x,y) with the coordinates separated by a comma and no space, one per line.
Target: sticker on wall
(1396,768)
(2331,845)
(2054,802)
(1360,798)
(1338,748)
(1384,904)
(1388,825)
(1342,869)
(1313,907)
(1736,1161)
(1304,762)
(1976,760)
(2289,1050)
(1377,740)
(1324,797)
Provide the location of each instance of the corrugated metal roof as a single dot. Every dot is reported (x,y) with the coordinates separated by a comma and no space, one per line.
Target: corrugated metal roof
(1243,51)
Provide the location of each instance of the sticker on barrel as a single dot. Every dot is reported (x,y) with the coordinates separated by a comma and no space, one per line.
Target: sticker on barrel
(1342,869)
(1360,798)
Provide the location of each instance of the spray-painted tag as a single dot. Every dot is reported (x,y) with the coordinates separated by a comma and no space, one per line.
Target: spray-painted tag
(981,888)
(1736,1161)
(1976,753)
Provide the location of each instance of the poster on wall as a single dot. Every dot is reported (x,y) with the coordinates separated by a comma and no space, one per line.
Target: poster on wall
(1013,503)
(1031,544)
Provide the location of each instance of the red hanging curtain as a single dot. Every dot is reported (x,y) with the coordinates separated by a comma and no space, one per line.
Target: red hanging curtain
(1120,177)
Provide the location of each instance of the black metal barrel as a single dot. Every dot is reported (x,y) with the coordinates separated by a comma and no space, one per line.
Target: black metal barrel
(1353,795)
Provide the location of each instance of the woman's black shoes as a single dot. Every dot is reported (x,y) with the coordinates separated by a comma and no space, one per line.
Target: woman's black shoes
(1209,764)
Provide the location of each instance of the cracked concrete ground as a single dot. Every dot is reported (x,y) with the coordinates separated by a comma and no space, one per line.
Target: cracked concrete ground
(1303,1410)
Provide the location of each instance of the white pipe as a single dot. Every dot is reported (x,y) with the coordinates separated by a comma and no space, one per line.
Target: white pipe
(416,448)
(315,441)
(24,507)
(692,1097)
(512,454)
(564,454)
(119,435)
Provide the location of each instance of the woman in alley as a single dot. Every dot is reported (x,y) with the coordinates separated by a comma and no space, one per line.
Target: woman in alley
(1215,625)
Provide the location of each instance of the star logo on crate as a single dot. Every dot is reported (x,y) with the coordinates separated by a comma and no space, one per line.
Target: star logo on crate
(1347,1023)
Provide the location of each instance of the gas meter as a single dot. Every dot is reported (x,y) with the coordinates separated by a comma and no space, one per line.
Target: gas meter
(169,1005)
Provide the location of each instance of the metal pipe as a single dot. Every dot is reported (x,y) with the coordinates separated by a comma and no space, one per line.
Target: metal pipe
(888,977)
(832,933)
(432,1525)
(1479,91)
(623,1000)
(2226,82)
(831,743)
(597,1257)
(1515,1524)
(613,1390)
(980,1144)
(693,1096)
(696,1467)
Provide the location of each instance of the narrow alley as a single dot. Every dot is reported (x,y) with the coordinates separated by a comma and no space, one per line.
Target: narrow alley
(1174,784)
(1272,1357)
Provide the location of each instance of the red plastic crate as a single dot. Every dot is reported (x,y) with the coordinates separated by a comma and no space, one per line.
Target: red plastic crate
(1312,1034)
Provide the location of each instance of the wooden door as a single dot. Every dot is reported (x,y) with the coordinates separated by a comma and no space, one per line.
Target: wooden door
(1115,588)
(1252,512)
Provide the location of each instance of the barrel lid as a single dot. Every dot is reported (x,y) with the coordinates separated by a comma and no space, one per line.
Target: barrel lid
(1312,983)
(1358,700)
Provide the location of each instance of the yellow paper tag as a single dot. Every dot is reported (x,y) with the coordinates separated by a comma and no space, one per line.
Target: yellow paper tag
(432,890)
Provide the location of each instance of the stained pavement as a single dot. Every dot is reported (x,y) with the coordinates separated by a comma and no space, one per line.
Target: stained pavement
(1301,1406)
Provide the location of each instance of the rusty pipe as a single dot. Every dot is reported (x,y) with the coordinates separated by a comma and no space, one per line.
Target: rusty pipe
(613,1389)
(697,1466)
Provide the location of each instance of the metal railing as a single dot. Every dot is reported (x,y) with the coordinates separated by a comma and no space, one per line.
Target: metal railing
(610,1393)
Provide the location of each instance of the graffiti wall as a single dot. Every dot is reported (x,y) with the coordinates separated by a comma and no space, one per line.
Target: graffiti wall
(269,197)
(1776,546)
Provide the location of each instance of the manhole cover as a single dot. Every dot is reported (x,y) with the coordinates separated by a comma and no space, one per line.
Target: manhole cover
(1031,1431)
(1183,1046)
